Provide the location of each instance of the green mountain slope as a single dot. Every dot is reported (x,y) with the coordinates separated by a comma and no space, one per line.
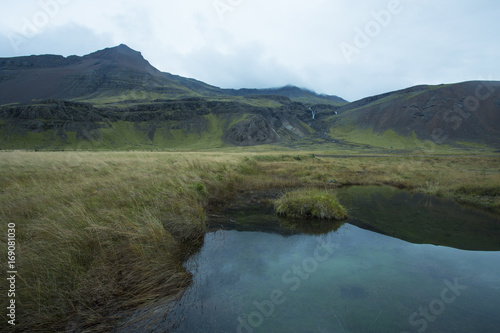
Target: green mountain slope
(462,114)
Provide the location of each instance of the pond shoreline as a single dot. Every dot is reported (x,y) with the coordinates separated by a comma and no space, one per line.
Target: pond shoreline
(244,218)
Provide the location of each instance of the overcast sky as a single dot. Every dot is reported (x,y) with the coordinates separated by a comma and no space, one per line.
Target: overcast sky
(349,48)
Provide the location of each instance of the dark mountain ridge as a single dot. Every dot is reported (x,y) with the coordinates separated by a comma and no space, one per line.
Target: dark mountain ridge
(118,96)
(106,72)
(121,56)
(109,72)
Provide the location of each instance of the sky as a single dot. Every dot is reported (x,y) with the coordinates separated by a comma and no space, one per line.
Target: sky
(349,48)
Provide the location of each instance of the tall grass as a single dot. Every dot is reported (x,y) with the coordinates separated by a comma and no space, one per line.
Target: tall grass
(100,233)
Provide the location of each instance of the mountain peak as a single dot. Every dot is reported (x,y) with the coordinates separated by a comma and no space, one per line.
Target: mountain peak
(124,46)
(124,49)
(113,53)
(123,56)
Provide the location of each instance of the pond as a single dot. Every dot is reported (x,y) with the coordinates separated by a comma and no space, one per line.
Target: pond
(403,263)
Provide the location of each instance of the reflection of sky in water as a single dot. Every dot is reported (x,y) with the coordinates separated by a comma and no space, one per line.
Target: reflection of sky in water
(365,282)
(370,283)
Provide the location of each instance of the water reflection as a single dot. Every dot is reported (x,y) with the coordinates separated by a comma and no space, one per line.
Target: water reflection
(420,218)
(348,279)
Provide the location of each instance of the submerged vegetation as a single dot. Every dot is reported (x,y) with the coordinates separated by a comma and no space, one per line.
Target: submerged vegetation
(310,203)
(102,232)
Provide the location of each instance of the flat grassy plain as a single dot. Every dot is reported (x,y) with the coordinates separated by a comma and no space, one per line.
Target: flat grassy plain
(98,233)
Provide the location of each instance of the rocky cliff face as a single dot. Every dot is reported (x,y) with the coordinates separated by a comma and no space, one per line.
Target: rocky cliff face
(253,131)
(59,117)
(256,125)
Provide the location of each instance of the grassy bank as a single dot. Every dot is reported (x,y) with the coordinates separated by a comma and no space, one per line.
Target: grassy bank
(98,233)
(101,232)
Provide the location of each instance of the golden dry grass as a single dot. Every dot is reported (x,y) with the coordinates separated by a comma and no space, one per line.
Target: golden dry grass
(99,232)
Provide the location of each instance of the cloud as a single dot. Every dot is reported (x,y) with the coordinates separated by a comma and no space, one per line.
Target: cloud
(70,39)
(243,66)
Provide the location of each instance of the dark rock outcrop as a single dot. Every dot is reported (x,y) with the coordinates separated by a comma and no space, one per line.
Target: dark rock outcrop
(253,131)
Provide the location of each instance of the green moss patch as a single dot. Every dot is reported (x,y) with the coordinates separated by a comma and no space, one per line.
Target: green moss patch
(312,203)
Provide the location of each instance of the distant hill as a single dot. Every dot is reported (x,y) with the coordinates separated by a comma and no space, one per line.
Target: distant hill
(467,112)
(292,92)
(115,99)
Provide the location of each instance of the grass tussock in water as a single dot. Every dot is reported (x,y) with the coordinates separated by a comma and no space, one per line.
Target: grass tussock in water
(313,203)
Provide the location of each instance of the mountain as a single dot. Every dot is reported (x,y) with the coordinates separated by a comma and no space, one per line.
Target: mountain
(106,73)
(115,99)
(112,72)
(467,112)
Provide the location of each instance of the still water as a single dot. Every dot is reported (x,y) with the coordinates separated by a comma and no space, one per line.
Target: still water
(349,279)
